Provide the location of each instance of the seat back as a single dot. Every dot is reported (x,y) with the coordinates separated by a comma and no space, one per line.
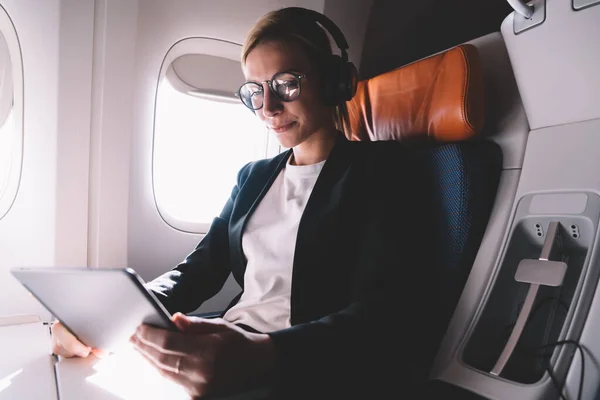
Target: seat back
(436,105)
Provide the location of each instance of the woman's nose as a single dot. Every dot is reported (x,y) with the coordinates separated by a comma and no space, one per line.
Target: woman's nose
(271,104)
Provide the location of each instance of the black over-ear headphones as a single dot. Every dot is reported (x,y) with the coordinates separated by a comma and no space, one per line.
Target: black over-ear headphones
(341,76)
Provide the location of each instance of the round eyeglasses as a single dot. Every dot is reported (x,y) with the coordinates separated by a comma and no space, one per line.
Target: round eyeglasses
(284,85)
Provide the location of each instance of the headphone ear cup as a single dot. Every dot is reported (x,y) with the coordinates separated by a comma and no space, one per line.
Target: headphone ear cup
(340,81)
(348,81)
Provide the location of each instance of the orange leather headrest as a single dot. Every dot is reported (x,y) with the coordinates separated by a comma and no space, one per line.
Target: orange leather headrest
(439,97)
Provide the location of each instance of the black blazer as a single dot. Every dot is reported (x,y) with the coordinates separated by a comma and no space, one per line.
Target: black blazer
(359,280)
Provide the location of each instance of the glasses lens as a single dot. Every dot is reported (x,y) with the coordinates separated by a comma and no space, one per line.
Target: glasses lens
(286,86)
(251,95)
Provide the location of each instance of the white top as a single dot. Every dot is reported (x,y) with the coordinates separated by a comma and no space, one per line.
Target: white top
(269,242)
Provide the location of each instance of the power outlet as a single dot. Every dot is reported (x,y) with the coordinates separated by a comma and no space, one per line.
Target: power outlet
(574,229)
(539,230)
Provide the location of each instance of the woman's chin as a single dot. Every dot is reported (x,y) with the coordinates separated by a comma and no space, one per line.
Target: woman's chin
(286,141)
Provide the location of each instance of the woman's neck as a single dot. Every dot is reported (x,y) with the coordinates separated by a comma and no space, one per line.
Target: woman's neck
(314,149)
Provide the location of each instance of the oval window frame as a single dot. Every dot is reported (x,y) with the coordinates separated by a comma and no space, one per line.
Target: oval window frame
(9,196)
(195,45)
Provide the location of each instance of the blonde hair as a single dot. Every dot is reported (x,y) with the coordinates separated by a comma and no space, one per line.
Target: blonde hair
(287,25)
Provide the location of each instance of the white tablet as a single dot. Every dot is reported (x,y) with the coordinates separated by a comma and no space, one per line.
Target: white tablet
(101,307)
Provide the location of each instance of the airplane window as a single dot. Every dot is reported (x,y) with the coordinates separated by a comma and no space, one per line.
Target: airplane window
(11,135)
(201,140)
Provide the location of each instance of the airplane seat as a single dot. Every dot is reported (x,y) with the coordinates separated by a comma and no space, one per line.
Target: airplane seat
(546,69)
(437,107)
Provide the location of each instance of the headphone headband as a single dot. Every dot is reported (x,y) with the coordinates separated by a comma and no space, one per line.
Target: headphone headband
(340,76)
(328,24)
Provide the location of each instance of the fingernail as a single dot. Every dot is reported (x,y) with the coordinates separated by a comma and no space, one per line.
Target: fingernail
(99,353)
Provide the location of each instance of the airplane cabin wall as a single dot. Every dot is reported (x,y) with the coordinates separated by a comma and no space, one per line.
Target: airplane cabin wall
(353,23)
(115,34)
(47,224)
(400,32)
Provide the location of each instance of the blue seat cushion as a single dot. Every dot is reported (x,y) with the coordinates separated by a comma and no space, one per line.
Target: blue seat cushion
(461,180)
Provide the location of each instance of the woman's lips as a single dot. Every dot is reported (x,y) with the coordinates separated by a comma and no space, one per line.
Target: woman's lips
(282,128)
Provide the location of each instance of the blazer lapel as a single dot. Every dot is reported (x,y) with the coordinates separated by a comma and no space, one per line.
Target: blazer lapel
(323,207)
(326,194)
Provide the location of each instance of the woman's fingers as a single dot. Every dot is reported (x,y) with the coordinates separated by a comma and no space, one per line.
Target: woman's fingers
(65,344)
(163,360)
(199,325)
(99,353)
(171,372)
(60,351)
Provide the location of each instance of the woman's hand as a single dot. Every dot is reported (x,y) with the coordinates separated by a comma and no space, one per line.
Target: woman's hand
(208,356)
(66,345)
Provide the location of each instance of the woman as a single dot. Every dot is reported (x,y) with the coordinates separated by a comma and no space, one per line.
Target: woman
(321,238)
